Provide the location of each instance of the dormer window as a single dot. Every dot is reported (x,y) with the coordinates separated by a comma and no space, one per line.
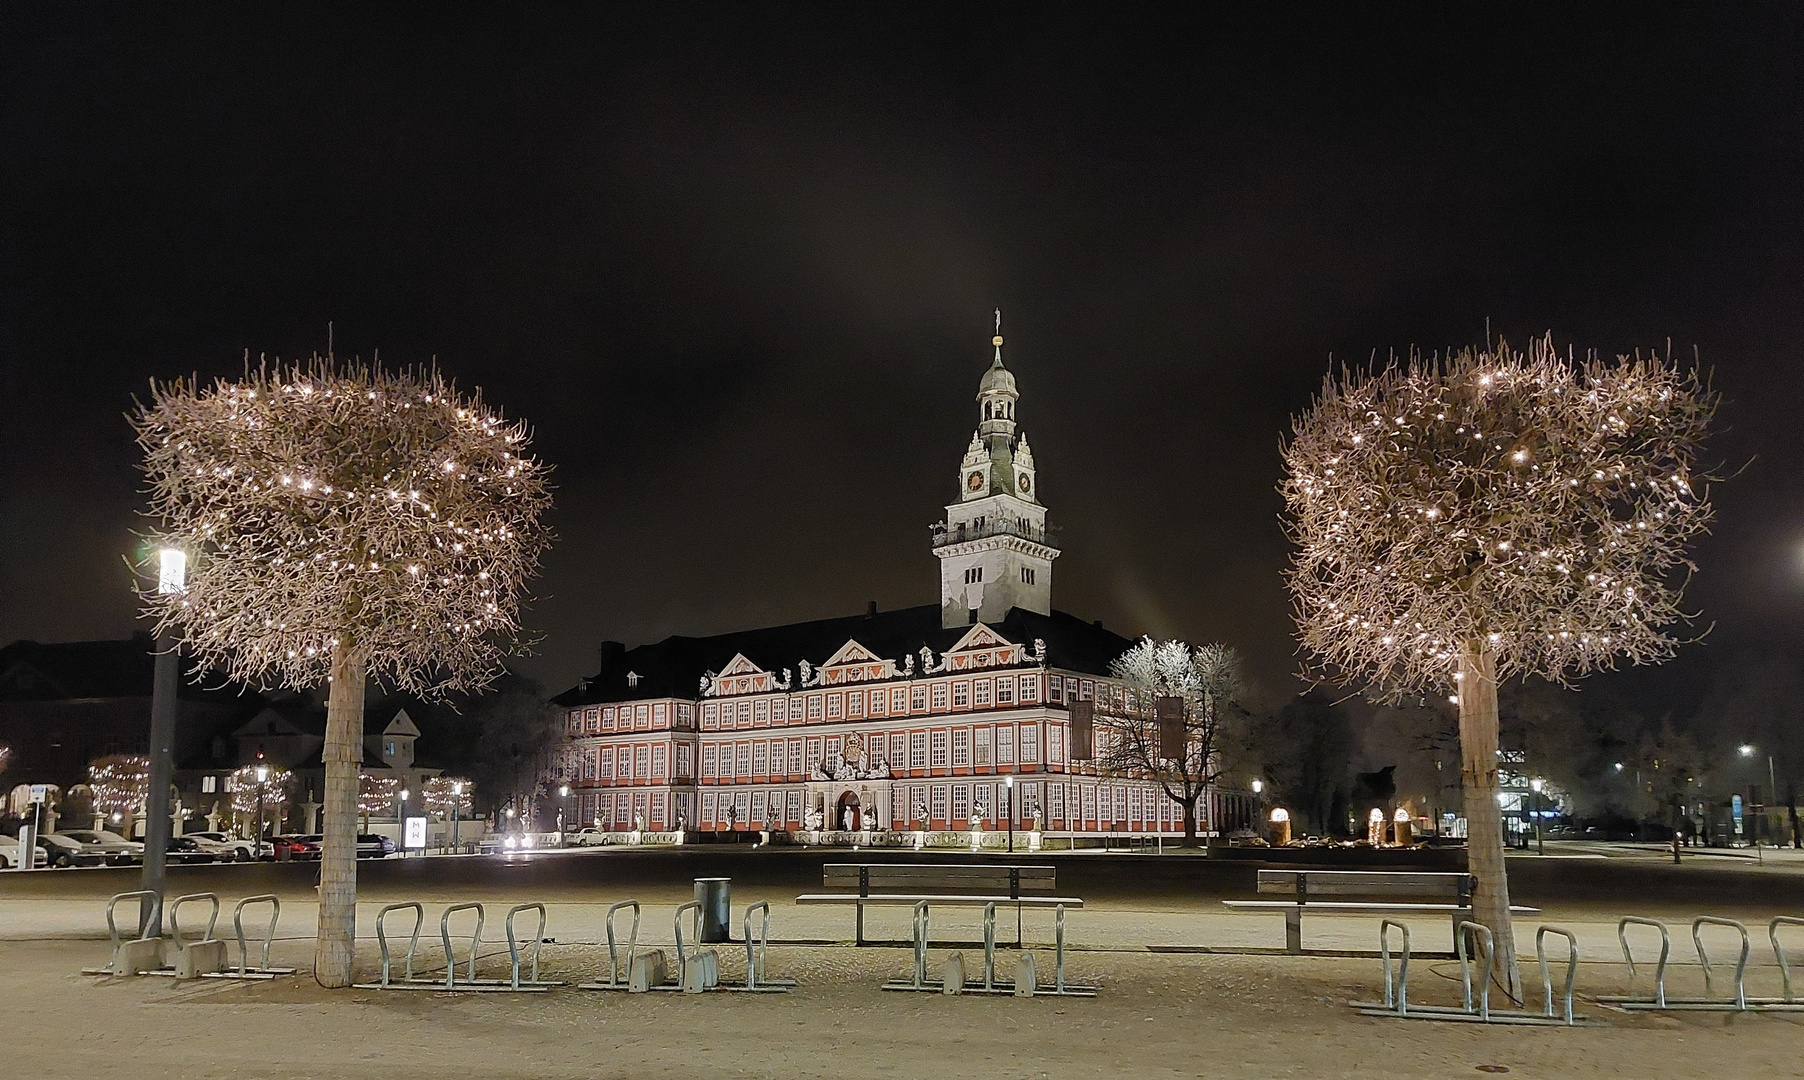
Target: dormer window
(632,678)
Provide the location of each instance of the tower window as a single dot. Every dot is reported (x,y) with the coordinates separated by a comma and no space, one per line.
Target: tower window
(1027,576)
(974,575)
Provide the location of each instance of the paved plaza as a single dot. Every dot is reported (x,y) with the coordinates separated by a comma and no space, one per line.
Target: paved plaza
(1167,1008)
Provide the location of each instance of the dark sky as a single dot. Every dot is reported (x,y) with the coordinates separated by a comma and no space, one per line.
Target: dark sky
(737,264)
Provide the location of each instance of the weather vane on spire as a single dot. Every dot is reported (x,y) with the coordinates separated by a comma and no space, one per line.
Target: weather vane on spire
(998,340)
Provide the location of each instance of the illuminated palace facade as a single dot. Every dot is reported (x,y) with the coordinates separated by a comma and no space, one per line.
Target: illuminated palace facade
(886,720)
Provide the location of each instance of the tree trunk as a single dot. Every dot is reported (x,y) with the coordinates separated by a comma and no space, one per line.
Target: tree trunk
(1484,818)
(1189,823)
(343,754)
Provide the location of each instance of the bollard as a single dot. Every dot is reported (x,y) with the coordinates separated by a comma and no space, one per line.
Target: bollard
(715,895)
(1026,981)
(952,975)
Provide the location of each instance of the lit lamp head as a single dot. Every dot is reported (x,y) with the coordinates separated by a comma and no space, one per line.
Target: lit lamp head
(262,773)
(406,794)
(563,791)
(457,788)
(1747,750)
(1535,784)
(1009,782)
(1258,786)
(172,570)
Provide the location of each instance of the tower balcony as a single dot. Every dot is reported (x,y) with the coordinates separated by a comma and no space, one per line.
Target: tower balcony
(945,535)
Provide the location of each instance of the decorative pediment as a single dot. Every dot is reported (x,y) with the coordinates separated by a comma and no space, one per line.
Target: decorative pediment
(983,647)
(740,676)
(739,665)
(855,663)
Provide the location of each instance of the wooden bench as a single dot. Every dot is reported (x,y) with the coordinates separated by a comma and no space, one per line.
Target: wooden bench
(1304,887)
(942,884)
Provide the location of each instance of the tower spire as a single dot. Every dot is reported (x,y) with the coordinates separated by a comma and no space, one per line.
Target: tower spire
(998,339)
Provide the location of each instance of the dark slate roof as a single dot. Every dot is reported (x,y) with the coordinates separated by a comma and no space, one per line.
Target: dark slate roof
(674,667)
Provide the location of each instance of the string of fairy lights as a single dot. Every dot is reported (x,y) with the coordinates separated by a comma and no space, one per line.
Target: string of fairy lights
(324,504)
(1530,506)
(120,784)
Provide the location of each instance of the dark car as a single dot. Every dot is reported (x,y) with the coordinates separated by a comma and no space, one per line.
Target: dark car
(292,848)
(60,850)
(372,846)
(184,850)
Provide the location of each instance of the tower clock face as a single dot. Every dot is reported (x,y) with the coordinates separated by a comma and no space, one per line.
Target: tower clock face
(1025,483)
(975,481)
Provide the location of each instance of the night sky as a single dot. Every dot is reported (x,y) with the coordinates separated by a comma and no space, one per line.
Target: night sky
(737,264)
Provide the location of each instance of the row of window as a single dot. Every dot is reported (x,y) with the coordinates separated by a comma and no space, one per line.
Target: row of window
(957,806)
(645,761)
(778,709)
(644,716)
(983,746)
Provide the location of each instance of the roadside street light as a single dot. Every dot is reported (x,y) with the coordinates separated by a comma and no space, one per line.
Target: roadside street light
(563,795)
(261,772)
(402,820)
(457,798)
(1748,750)
(1540,845)
(1009,783)
(165,684)
(1257,786)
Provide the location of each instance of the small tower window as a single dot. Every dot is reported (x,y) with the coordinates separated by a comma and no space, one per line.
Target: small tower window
(1027,576)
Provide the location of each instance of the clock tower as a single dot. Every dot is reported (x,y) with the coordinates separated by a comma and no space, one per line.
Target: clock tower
(993,547)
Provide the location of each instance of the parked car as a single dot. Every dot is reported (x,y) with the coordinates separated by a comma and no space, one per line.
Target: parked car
(229,848)
(61,851)
(291,847)
(374,846)
(9,853)
(585,837)
(118,850)
(185,850)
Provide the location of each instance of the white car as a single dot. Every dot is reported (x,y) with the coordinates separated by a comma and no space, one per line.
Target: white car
(118,850)
(585,838)
(9,853)
(226,847)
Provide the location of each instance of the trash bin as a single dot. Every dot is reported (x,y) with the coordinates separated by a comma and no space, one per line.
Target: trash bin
(715,895)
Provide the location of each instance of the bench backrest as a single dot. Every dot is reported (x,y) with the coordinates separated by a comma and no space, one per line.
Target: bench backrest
(1304,884)
(868,878)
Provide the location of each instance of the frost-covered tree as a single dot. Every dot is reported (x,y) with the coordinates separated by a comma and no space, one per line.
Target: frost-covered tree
(342,522)
(1468,518)
(1127,742)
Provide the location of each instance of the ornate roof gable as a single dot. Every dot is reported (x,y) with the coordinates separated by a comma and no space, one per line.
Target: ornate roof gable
(855,663)
(741,676)
(983,647)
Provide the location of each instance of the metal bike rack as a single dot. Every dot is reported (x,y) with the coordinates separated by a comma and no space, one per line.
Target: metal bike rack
(991,984)
(755,947)
(175,907)
(1741,964)
(245,970)
(1629,1001)
(514,982)
(112,926)
(1772,935)
(407,981)
(444,932)
(922,916)
(1396,993)
(615,982)
(1572,959)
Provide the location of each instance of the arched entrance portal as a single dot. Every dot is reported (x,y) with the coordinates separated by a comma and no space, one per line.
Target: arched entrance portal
(848,814)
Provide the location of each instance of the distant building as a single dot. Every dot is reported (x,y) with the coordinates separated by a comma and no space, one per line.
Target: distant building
(886,719)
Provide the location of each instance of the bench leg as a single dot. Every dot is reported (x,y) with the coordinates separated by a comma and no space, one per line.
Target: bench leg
(1293,931)
(860,935)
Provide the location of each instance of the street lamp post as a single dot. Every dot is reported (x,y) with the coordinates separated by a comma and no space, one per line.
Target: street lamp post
(261,772)
(402,820)
(172,577)
(1540,845)
(457,798)
(1258,787)
(1009,783)
(563,804)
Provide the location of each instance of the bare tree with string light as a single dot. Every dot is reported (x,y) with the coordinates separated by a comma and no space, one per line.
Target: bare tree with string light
(342,522)
(1487,514)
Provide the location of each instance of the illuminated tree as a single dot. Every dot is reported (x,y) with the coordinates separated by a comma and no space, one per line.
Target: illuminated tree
(121,785)
(376,795)
(446,793)
(1206,679)
(1491,514)
(277,784)
(342,522)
